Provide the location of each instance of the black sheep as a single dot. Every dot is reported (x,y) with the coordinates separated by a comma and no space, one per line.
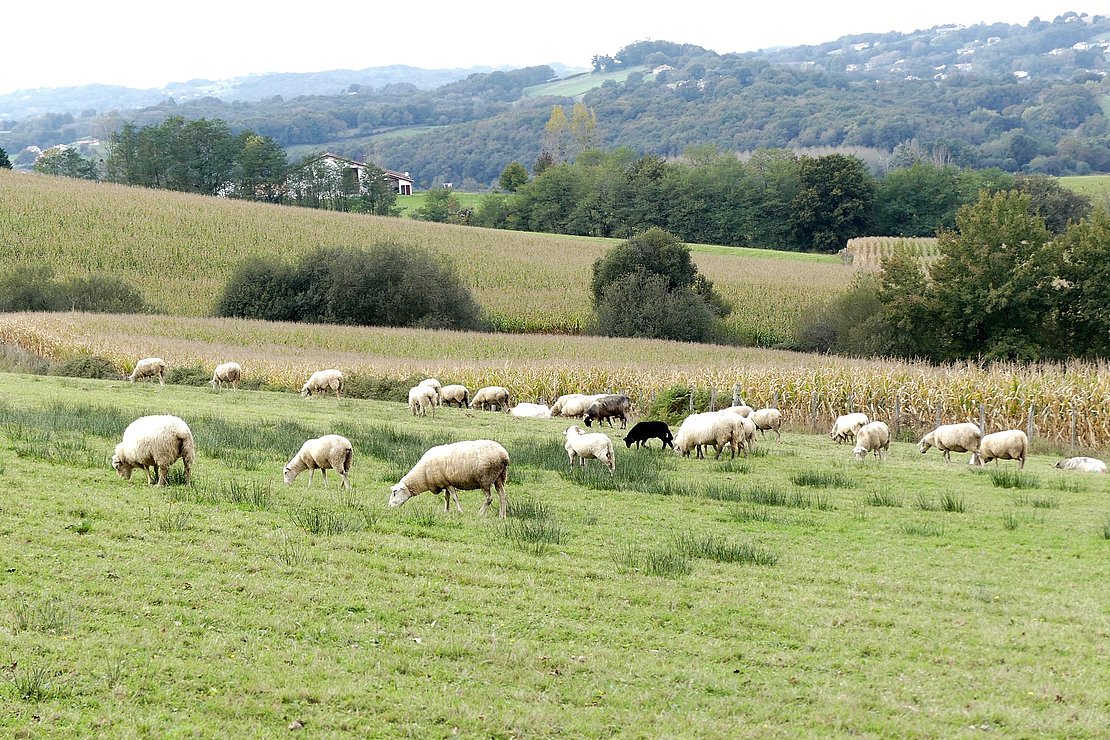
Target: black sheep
(642,431)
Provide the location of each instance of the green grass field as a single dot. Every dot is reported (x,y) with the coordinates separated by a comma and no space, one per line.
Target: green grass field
(410,203)
(1097,187)
(792,593)
(580,84)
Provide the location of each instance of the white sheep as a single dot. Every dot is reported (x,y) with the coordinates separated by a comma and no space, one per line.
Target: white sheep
(422,398)
(228,372)
(531,411)
(328,452)
(846,426)
(456,394)
(1082,464)
(744,430)
(1012,444)
(491,395)
(595,445)
(768,420)
(322,381)
(155,442)
(717,428)
(149,367)
(573,405)
(472,464)
(434,384)
(949,438)
(872,437)
(743,409)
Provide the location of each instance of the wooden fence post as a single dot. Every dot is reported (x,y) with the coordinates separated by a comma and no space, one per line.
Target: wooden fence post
(1029,427)
(1074,438)
(813,413)
(940,409)
(982,418)
(736,395)
(897,415)
(775,403)
(692,392)
(712,399)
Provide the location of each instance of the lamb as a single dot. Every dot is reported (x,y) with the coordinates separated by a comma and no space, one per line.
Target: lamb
(422,398)
(950,438)
(872,437)
(330,451)
(491,395)
(467,465)
(228,372)
(768,420)
(155,442)
(642,431)
(456,394)
(1083,464)
(846,426)
(607,407)
(322,381)
(531,411)
(1011,444)
(717,428)
(149,367)
(597,446)
(434,384)
(573,404)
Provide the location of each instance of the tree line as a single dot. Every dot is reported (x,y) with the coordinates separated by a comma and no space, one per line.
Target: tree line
(773,199)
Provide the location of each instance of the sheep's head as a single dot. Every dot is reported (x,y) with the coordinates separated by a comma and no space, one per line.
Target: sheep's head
(122,468)
(399,494)
(925,443)
(304,390)
(573,430)
(859,452)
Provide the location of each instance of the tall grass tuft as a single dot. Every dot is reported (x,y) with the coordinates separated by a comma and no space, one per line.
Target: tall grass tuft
(1105,533)
(1010,478)
(318,520)
(720,550)
(50,617)
(665,563)
(527,507)
(952,503)
(883,498)
(33,684)
(533,535)
(822,479)
(924,529)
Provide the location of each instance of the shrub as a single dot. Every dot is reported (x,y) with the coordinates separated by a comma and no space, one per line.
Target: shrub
(33,288)
(192,375)
(88,366)
(377,388)
(386,285)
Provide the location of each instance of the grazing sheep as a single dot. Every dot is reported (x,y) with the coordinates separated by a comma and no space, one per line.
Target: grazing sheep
(642,431)
(149,367)
(717,428)
(330,451)
(322,381)
(846,426)
(745,430)
(434,384)
(573,404)
(872,437)
(597,446)
(1082,464)
(949,438)
(422,398)
(228,372)
(490,396)
(530,411)
(1011,444)
(743,409)
(467,465)
(456,394)
(768,420)
(155,442)
(607,407)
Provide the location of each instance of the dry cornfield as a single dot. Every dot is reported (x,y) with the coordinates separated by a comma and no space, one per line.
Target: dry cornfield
(867,252)
(1070,403)
(179,249)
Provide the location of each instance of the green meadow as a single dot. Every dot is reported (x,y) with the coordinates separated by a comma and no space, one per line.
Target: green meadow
(794,592)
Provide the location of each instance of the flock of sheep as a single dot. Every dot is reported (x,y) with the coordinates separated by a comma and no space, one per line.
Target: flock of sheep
(154,443)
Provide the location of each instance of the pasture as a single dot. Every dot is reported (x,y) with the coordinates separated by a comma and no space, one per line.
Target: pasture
(794,592)
(179,250)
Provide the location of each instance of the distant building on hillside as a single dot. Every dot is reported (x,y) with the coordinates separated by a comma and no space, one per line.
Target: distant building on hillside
(328,171)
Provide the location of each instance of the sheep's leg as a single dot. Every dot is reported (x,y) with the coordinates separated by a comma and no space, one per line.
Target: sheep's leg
(324,472)
(162,471)
(489,500)
(452,494)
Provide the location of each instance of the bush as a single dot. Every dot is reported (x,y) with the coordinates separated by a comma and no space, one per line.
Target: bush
(194,375)
(357,385)
(88,366)
(33,288)
(387,285)
(15,360)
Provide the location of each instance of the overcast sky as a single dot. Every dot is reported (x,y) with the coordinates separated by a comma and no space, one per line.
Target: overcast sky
(139,43)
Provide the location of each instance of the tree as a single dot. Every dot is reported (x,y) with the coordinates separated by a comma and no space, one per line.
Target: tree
(543,163)
(583,127)
(834,201)
(439,204)
(557,135)
(261,168)
(1081,291)
(990,292)
(513,176)
(65,162)
(916,200)
(5,163)
(1053,202)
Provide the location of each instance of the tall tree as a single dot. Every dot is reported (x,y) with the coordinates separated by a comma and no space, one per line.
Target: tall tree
(1081,291)
(65,162)
(834,201)
(990,288)
(5,163)
(513,176)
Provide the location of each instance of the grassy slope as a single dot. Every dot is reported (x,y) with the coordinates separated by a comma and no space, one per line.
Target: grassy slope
(135,611)
(179,250)
(1095,186)
(580,84)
